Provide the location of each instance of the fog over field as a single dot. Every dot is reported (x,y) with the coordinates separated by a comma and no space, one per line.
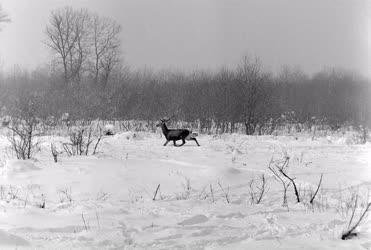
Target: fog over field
(185,124)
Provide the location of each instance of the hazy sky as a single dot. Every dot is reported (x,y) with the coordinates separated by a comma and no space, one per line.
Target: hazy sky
(207,34)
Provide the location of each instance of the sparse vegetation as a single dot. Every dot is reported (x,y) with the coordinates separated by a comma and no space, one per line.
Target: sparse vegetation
(81,138)
(22,137)
(225,192)
(54,152)
(355,220)
(65,195)
(257,190)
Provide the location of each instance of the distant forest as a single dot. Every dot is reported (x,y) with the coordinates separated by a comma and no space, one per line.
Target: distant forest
(87,78)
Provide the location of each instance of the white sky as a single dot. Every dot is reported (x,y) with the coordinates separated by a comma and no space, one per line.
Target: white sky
(207,34)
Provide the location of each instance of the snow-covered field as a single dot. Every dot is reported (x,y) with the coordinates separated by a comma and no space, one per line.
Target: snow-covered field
(106,201)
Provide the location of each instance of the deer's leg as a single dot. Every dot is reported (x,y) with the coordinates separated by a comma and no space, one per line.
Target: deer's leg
(175,143)
(195,141)
(167,141)
(182,143)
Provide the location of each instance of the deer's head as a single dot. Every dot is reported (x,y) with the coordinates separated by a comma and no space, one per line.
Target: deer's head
(162,122)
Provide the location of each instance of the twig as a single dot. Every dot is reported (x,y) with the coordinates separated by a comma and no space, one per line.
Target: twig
(226,194)
(261,189)
(314,195)
(98,141)
(83,219)
(158,187)
(284,184)
(353,210)
(212,193)
(293,183)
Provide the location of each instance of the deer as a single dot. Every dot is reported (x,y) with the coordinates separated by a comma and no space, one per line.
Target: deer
(176,134)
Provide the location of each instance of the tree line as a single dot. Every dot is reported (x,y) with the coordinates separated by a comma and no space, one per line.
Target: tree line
(88,79)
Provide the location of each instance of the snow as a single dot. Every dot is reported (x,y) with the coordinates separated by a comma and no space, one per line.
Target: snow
(106,201)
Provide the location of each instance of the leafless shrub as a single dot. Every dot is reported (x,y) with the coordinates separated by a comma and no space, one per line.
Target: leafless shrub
(277,175)
(257,191)
(80,141)
(280,167)
(354,223)
(346,202)
(182,195)
(65,195)
(320,203)
(86,224)
(22,137)
(13,192)
(225,192)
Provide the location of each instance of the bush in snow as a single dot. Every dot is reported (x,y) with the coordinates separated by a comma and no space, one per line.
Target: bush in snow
(22,137)
(355,220)
(81,139)
(258,189)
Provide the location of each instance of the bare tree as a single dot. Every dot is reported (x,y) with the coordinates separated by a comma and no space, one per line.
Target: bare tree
(80,52)
(251,79)
(68,37)
(83,42)
(106,47)
(62,35)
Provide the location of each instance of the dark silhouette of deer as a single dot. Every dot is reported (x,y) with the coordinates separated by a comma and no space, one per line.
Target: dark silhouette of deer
(176,134)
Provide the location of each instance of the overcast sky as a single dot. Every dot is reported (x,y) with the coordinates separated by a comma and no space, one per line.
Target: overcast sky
(206,34)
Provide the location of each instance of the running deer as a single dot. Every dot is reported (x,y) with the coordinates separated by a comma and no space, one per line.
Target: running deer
(176,134)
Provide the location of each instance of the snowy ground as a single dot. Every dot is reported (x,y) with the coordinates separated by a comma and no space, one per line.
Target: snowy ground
(105,201)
